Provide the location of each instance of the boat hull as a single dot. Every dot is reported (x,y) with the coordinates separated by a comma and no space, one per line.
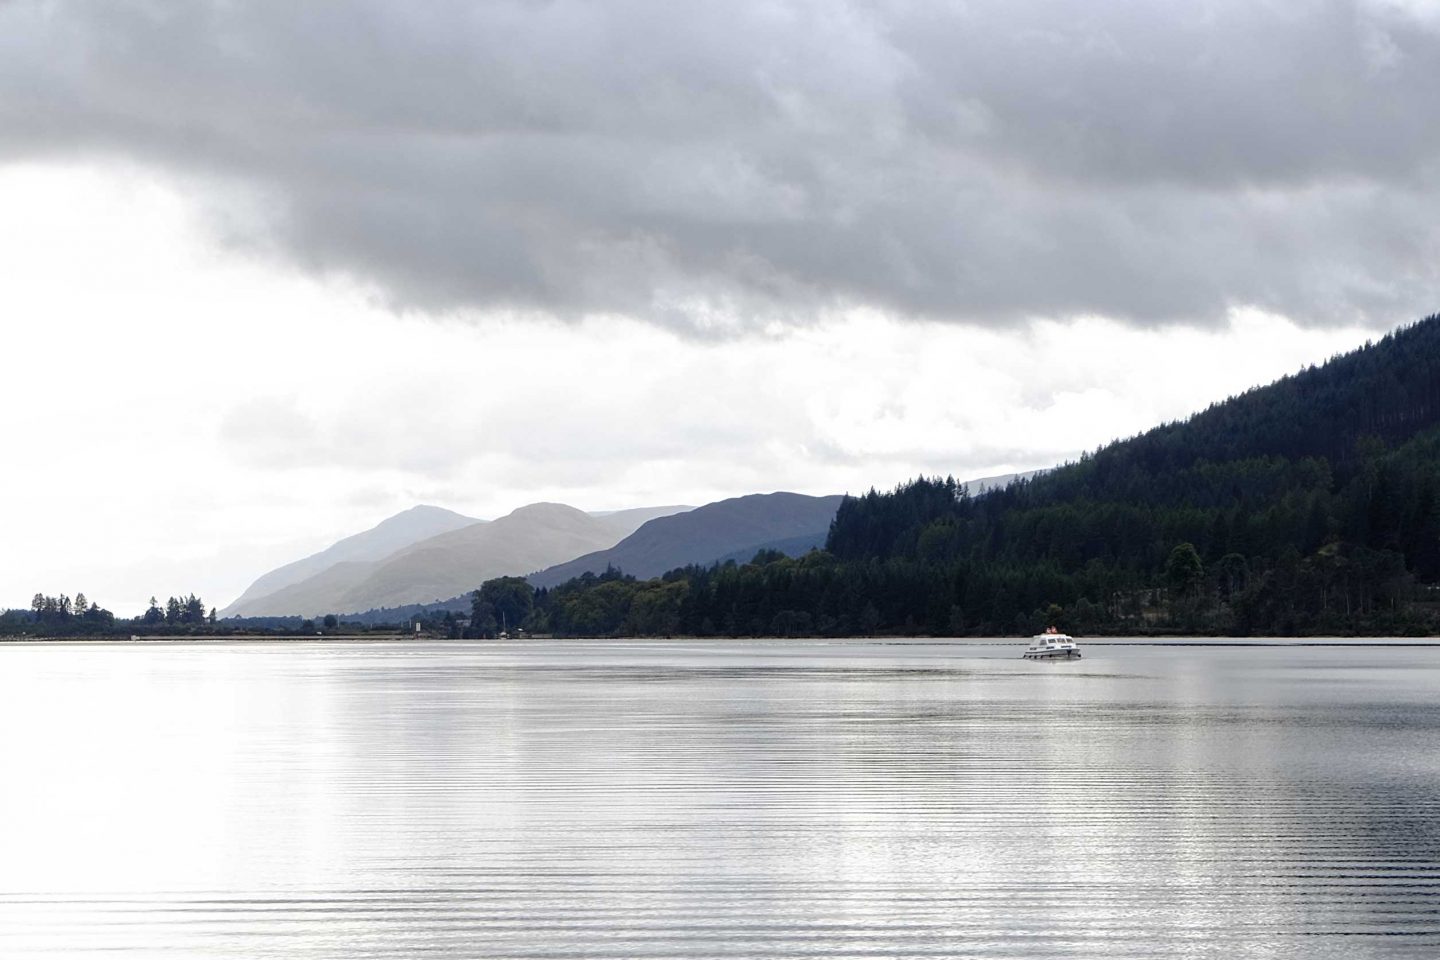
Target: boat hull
(1052,655)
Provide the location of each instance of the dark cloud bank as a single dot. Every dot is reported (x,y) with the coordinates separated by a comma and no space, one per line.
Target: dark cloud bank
(717,165)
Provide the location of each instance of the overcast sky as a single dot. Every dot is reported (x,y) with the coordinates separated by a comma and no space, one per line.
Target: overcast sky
(270,272)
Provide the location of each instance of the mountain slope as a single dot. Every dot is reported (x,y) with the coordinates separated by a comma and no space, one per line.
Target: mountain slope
(984,484)
(703,535)
(626,522)
(457,562)
(395,533)
(318,595)
(790,546)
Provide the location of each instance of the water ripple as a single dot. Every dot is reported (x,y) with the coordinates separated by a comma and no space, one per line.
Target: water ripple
(636,800)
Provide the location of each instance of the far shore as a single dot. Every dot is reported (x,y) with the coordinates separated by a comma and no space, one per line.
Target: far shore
(1138,641)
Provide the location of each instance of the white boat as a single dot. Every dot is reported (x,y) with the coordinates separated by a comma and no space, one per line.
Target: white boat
(1053,645)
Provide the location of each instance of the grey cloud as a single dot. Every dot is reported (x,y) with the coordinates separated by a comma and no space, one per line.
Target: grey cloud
(717,167)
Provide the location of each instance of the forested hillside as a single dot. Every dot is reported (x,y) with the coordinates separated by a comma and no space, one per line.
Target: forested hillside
(1311,505)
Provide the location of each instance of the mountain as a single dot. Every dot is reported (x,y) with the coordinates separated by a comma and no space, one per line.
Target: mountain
(704,534)
(338,580)
(790,546)
(1308,506)
(983,484)
(455,562)
(315,596)
(626,522)
(396,533)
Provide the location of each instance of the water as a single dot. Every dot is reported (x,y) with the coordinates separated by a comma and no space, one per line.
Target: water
(717,799)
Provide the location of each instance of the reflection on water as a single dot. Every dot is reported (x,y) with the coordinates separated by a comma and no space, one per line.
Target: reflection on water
(769,799)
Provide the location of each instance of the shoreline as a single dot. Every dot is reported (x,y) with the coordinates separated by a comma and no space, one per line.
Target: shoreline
(1153,641)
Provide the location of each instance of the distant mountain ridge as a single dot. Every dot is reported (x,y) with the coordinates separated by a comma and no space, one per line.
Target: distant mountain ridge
(704,534)
(626,522)
(314,596)
(982,484)
(459,561)
(392,534)
(455,555)
(790,546)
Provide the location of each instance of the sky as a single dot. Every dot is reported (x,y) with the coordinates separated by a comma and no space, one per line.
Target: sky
(270,273)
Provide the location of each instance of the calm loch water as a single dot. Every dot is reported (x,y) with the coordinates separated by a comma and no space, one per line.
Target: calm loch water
(768,799)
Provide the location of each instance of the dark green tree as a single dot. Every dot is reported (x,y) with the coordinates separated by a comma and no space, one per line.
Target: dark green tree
(483,622)
(511,600)
(1184,571)
(192,610)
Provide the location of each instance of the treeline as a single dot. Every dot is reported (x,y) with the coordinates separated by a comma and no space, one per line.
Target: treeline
(178,611)
(187,616)
(184,615)
(1310,506)
(79,617)
(58,616)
